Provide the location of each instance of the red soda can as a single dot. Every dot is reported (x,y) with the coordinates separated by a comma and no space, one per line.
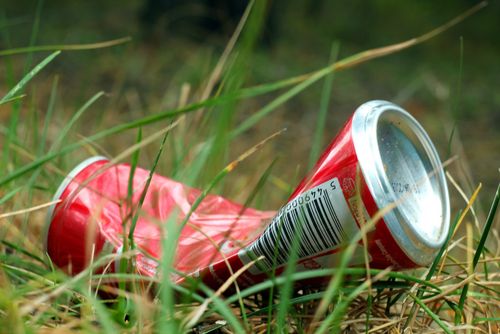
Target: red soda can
(382,158)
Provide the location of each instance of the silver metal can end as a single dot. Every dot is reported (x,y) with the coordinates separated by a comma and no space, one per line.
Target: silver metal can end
(402,169)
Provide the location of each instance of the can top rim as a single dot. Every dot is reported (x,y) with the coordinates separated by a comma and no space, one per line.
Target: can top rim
(64,184)
(367,119)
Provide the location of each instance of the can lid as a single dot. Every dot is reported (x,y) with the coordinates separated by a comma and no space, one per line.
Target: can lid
(57,195)
(402,168)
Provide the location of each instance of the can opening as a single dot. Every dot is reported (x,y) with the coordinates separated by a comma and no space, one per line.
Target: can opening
(411,175)
(402,170)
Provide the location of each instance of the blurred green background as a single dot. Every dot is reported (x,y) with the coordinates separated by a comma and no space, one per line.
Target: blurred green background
(147,74)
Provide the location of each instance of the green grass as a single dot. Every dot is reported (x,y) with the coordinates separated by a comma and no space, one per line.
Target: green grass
(204,142)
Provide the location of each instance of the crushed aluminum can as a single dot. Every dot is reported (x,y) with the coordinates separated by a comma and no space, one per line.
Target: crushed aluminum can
(94,211)
(381,159)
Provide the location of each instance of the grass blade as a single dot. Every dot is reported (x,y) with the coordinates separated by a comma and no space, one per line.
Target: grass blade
(23,251)
(34,33)
(48,117)
(145,191)
(259,115)
(9,195)
(20,85)
(306,80)
(317,273)
(73,120)
(13,99)
(487,227)
(433,268)
(223,309)
(101,312)
(133,166)
(12,132)
(433,315)
(287,288)
(65,47)
(323,109)
(335,317)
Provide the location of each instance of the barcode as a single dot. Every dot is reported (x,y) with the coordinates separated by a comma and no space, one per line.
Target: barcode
(312,219)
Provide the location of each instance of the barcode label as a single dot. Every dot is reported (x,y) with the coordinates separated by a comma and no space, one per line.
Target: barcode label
(319,219)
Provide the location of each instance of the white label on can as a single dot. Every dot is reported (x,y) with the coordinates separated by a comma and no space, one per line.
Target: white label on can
(316,221)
